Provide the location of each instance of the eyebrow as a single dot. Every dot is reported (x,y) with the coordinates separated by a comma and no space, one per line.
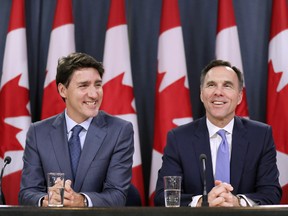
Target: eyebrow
(88,81)
(210,82)
(229,82)
(225,82)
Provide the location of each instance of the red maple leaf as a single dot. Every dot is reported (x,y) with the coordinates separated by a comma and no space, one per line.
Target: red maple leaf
(277,106)
(173,102)
(117,97)
(242,108)
(52,102)
(13,103)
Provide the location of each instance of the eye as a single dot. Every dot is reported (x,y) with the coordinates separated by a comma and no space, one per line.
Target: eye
(98,84)
(228,85)
(210,84)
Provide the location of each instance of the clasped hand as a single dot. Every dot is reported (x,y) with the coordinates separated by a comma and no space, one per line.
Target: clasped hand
(221,196)
(71,198)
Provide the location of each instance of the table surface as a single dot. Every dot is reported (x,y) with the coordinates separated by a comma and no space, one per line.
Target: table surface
(277,210)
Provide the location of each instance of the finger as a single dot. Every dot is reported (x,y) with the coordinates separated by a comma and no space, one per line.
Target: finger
(217,190)
(226,186)
(54,196)
(216,201)
(217,182)
(68,184)
(225,204)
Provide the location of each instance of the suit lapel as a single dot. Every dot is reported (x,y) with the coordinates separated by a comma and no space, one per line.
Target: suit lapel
(60,145)
(239,149)
(95,135)
(203,147)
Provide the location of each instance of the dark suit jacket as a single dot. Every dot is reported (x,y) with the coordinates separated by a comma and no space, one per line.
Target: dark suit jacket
(253,161)
(105,166)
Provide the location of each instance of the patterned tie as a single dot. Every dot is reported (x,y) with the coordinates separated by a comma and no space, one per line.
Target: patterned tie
(222,161)
(75,148)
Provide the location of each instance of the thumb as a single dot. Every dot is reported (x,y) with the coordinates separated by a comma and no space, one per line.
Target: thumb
(68,184)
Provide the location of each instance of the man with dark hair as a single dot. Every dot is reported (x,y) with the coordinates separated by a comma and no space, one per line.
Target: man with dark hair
(102,172)
(241,165)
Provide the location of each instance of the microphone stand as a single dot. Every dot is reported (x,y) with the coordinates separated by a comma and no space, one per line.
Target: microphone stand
(205,202)
(7,160)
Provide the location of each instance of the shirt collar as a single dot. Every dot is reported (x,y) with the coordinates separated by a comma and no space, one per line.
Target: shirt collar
(213,129)
(71,123)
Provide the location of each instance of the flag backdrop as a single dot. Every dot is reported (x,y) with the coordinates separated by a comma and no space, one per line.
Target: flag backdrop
(277,88)
(62,43)
(228,46)
(172,88)
(14,102)
(117,82)
(199,23)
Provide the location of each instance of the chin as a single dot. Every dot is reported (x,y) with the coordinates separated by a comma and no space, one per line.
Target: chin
(95,113)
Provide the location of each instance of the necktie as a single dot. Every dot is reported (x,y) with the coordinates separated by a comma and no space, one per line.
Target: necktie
(75,148)
(222,162)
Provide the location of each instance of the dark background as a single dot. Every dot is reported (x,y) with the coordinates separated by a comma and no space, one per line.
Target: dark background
(199,21)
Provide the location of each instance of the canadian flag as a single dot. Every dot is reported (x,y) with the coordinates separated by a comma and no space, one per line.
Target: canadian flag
(172,99)
(277,88)
(15,116)
(62,43)
(118,97)
(227,45)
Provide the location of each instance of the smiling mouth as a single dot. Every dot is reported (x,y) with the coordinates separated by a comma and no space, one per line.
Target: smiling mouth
(218,102)
(90,102)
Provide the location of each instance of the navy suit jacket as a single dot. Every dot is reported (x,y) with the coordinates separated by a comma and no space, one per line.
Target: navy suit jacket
(253,169)
(105,166)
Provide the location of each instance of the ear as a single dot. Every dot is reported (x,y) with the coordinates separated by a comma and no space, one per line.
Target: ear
(62,90)
(201,95)
(240,97)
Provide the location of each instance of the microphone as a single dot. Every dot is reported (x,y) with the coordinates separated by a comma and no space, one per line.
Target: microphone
(7,160)
(203,159)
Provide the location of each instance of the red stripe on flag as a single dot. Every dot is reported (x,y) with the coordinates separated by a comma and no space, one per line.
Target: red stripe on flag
(63,14)
(117,14)
(11,187)
(226,16)
(17,21)
(137,181)
(170,17)
(280,22)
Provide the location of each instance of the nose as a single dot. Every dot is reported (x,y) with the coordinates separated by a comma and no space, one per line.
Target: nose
(92,92)
(218,91)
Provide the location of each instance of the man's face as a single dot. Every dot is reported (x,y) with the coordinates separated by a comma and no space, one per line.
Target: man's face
(220,94)
(84,94)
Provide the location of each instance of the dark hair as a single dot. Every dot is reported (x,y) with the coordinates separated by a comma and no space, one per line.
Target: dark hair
(75,61)
(216,63)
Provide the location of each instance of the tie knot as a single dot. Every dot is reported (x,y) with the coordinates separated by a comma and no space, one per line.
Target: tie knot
(77,129)
(222,133)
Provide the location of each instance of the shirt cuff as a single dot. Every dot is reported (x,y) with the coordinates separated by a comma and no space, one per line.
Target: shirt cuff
(40,201)
(88,200)
(248,201)
(195,200)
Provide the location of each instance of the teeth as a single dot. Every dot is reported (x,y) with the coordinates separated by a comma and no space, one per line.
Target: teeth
(218,102)
(90,102)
